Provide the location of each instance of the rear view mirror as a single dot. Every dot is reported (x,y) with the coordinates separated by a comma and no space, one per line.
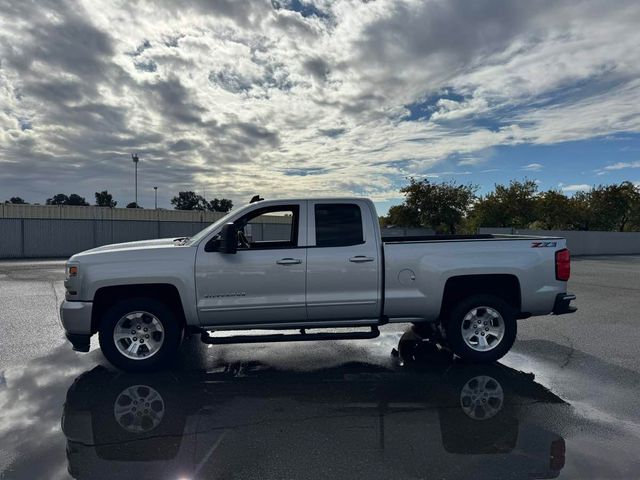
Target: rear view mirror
(228,238)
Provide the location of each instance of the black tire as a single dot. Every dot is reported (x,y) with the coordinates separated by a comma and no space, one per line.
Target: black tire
(454,322)
(164,314)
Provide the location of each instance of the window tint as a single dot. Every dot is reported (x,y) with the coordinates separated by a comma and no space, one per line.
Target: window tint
(271,227)
(338,224)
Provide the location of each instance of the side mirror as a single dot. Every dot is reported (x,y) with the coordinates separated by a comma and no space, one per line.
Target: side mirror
(228,238)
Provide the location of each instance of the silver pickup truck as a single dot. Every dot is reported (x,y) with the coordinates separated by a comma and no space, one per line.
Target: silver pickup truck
(314,264)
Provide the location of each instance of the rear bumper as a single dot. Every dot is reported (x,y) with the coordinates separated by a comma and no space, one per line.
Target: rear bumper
(562,304)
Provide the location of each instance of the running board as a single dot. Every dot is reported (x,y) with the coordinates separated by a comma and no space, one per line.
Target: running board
(287,337)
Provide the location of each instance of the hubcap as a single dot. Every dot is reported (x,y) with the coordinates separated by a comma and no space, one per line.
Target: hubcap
(482,329)
(482,397)
(139,409)
(138,335)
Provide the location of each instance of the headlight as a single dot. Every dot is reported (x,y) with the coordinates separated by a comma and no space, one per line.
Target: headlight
(71,280)
(72,271)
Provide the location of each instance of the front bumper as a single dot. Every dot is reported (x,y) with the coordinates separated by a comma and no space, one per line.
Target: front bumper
(562,304)
(76,321)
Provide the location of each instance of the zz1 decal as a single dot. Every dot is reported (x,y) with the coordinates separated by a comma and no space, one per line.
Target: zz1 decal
(543,244)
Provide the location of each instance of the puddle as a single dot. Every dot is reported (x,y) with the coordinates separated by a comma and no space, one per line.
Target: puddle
(398,408)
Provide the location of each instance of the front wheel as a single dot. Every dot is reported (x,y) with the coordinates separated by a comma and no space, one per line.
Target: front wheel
(140,334)
(481,328)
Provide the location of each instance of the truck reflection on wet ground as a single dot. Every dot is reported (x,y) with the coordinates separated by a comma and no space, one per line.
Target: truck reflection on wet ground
(396,407)
(418,415)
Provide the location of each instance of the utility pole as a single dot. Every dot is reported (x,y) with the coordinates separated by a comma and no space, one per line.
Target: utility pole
(155,191)
(134,157)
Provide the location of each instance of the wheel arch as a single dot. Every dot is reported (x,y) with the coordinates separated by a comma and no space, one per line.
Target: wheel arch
(165,292)
(505,286)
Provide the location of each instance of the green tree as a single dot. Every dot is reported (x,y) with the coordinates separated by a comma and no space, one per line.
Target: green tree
(189,201)
(105,199)
(507,206)
(59,199)
(192,201)
(62,199)
(634,213)
(400,216)
(614,207)
(219,205)
(16,201)
(554,211)
(583,216)
(441,206)
(75,199)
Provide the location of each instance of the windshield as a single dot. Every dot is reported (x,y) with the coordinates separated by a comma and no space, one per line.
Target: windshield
(206,231)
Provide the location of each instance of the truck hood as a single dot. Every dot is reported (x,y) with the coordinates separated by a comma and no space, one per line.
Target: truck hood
(114,247)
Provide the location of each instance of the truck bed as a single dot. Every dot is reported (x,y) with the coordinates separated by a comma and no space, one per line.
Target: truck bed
(416,269)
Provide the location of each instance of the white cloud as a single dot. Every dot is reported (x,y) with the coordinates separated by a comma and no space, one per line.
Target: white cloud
(242,97)
(445,174)
(622,165)
(533,167)
(580,187)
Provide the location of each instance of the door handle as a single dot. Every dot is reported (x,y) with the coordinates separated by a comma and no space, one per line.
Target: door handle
(361,259)
(288,261)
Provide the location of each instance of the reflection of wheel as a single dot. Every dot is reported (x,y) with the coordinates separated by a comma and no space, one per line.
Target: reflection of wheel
(140,334)
(481,397)
(141,413)
(481,328)
(139,409)
(476,418)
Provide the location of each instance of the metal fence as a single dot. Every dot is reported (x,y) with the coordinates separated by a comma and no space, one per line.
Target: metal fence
(36,237)
(585,243)
(66,212)
(38,231)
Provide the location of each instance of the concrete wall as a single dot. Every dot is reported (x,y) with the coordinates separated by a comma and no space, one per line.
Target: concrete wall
(32,231)
(38,237)
(65,212)
(46,237)
(585,243)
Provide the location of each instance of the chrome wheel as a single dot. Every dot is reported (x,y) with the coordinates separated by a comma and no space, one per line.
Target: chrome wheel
(138,335)
(139,409)
(482,329)
(481,397)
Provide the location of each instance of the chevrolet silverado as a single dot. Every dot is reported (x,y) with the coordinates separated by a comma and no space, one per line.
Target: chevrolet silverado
(314,264)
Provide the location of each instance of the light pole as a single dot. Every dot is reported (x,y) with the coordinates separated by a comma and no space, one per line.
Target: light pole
(134,157)
(155,191)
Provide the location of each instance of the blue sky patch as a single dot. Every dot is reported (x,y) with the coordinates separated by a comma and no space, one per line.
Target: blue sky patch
(423,109)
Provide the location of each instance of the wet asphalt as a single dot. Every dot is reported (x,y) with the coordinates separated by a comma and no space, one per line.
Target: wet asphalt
(562,404)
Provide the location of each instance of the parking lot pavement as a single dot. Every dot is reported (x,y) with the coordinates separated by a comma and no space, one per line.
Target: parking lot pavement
(606,323)
(563,402)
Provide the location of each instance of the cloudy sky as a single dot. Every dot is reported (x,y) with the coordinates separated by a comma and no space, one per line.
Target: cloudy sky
(303,98)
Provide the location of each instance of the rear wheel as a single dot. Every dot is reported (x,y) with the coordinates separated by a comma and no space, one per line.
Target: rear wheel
(140,334)
(481,328)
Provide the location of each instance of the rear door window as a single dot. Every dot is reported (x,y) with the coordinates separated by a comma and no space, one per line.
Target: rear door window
(338,224)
